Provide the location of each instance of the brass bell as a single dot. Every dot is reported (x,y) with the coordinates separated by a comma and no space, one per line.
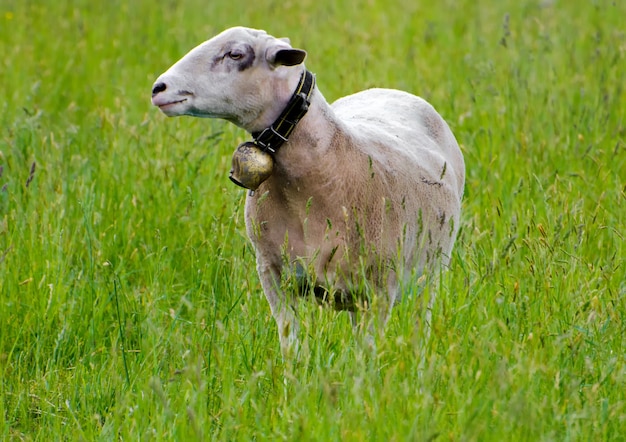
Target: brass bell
(251,166)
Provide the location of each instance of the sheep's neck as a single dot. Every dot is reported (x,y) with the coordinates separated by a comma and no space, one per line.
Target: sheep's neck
(311,150)
(273,137)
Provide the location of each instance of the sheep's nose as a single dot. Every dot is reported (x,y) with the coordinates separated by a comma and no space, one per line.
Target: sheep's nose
(159,87)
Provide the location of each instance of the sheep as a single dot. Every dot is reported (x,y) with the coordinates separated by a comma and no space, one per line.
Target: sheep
(364,194)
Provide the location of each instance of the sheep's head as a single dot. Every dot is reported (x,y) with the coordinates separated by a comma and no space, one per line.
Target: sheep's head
(241,75)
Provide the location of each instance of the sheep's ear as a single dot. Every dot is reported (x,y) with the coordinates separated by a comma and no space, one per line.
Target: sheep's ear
(283,56)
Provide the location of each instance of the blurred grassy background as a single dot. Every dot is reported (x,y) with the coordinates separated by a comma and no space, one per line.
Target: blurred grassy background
(129,305)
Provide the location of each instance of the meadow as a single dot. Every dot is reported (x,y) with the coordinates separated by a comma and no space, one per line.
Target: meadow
(130,308)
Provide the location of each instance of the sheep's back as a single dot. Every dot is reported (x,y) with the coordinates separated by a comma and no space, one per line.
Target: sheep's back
(405,133)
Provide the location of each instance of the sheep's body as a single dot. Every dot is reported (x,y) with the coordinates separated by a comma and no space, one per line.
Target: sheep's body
(368,188)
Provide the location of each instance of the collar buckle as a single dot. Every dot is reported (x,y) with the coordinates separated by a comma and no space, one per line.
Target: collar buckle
(265,138)
(271,138)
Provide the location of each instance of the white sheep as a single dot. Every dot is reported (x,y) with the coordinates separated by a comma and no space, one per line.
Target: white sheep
(366,193)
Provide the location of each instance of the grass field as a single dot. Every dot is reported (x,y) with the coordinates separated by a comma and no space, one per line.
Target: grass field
(129,304)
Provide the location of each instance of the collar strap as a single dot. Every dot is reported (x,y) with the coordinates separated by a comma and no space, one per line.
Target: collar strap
(271,138)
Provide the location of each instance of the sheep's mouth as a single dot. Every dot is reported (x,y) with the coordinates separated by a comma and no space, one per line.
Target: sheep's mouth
(163,106)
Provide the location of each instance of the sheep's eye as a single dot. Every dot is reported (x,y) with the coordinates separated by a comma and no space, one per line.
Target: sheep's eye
(235,55)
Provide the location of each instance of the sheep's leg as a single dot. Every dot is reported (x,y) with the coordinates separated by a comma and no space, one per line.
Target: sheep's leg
(353,319)
(428,316)
(374,317)
(282,310)
(384,304)
(287,331)
(372,322)
(430,290)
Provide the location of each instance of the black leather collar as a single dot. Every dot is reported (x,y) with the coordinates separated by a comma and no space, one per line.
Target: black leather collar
(271,138)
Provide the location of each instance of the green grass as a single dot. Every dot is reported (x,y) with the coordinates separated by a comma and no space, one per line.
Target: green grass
(129,304)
